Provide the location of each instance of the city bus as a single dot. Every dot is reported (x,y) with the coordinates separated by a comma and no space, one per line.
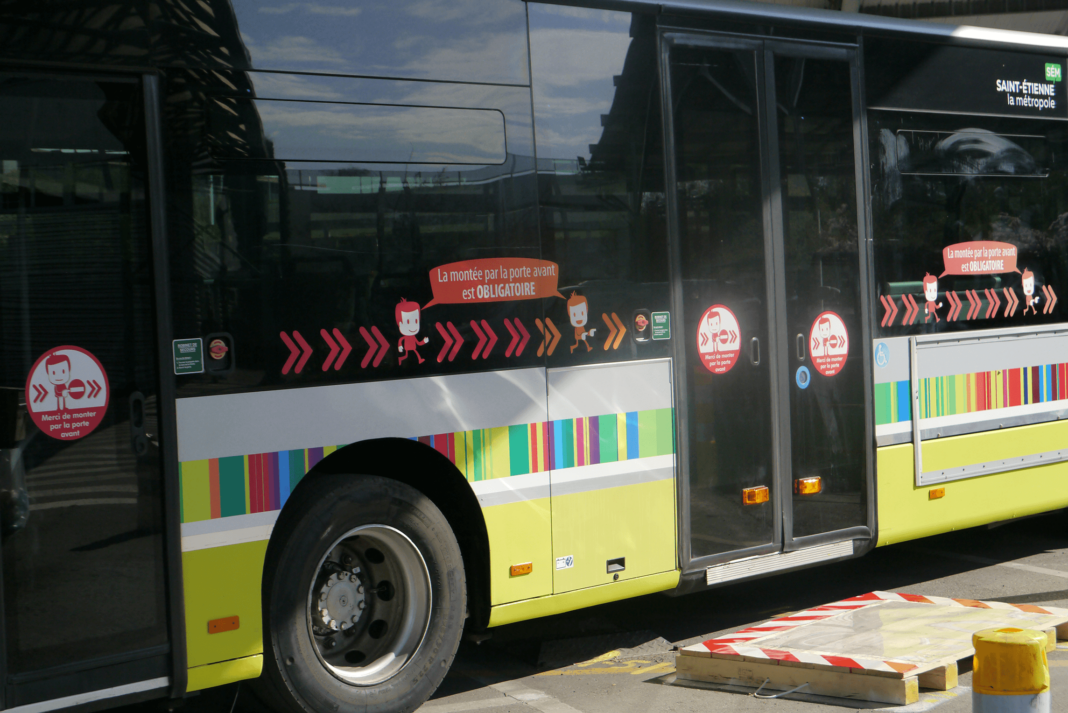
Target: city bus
(330,330)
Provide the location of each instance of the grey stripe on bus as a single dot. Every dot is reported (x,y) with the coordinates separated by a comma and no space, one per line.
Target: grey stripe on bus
(235,522)
(82,698)
(292,419)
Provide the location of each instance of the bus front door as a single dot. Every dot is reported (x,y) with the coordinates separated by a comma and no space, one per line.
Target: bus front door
(766,242)
(81,493)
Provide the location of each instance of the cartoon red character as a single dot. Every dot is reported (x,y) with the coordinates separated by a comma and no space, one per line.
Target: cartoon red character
(58,368)
(930,292)
(714,323)
(1029,292)
(407,314)
(578,311)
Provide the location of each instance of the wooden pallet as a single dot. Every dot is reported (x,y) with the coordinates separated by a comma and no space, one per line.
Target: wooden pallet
(880,647)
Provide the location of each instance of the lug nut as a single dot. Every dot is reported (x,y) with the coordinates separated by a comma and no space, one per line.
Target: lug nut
(359,589)
(361,605)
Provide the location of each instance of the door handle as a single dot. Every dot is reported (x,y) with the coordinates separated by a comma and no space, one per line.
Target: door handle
(800,347)
(754,351)
(138,440)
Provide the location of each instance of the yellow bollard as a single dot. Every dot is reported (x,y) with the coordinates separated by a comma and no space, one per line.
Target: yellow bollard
(1011,673)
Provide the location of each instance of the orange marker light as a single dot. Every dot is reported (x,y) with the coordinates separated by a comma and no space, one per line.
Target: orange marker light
(521,569)
(229,623)
(808,486)
(936,493)
(755,496)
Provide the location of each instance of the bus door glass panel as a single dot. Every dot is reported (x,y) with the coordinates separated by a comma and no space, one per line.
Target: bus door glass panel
(814,115)
(716,108)
(80,504)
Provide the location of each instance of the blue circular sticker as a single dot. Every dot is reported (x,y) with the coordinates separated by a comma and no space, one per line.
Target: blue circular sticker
(803,378)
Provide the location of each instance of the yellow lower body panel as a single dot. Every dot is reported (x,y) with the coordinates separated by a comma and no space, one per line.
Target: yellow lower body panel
(222,582)
(635,522)
(519,533)
(907,513)
(219,674)
(578,599)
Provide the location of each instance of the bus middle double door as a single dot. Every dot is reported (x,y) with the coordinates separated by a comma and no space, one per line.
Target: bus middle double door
(763,183)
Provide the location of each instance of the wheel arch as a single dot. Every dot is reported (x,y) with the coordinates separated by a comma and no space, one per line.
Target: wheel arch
(435,476)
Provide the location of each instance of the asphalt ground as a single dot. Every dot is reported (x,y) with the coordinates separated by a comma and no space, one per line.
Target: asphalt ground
(619,657)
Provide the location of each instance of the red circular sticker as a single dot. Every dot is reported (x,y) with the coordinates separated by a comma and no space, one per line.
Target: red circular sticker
(828,341)
(719,339)
(67,393)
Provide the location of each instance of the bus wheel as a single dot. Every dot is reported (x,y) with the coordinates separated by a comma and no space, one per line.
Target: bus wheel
(364,598)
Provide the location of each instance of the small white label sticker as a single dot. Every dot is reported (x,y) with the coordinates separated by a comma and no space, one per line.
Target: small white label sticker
(565,562)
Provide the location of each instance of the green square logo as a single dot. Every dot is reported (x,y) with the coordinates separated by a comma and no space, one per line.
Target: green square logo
(1053,72)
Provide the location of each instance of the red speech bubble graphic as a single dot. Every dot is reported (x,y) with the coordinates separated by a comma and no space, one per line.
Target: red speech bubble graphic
(981,257)
(494,279)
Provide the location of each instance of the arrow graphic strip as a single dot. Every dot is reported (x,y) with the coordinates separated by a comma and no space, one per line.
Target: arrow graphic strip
(541,328)
(346,349)
(555,333)
(307,351)
(457,338)
(382,344)
(334,349)
(492,338)
(515,338)
(371,345)
(448,342)
(481,339)
(526,336)
(611,331)
(293,352)
(1052,300)
(622,331)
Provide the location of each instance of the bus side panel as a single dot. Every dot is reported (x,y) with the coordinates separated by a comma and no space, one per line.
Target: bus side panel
(519,534)
(223,582)
(907,513)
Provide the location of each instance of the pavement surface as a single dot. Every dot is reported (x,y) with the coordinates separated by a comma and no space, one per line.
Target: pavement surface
(619,658)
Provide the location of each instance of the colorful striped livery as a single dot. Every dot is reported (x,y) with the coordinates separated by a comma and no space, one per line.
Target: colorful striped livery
(261,482)
(971,393)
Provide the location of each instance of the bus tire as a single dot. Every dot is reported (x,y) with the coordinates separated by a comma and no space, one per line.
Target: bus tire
(364,598)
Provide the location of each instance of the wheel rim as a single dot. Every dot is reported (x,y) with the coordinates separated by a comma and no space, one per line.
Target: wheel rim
(369,605)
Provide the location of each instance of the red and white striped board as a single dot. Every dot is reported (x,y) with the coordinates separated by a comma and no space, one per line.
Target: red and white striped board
(746,643)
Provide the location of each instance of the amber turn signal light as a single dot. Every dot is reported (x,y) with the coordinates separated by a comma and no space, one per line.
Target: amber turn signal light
(808,486)
(755,496)
(936,493)
(520,569)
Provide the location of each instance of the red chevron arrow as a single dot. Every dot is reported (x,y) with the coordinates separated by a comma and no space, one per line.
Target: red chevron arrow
(954,306)
(459,341)
(1052,301)
(293,352)
(913,310)
(94,388)
(891,310)
(974,304)
(515,337)
(307,352)
(492,338)
(334,348)
(346,349)
(39,393)
(524,340)
(993,302)
(1011,301)
(377,351)
(481,340)
(448,342)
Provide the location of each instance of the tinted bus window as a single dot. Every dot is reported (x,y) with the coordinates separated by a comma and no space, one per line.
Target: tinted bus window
(291,257)
(600,175)
(970,221)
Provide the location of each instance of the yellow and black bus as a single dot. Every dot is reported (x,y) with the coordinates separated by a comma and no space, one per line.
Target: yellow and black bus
(331,329)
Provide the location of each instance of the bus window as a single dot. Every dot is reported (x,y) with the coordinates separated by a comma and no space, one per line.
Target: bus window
(600,176)
(288,237)
(970,222)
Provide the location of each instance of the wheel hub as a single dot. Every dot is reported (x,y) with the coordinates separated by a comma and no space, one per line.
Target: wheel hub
(341,600)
